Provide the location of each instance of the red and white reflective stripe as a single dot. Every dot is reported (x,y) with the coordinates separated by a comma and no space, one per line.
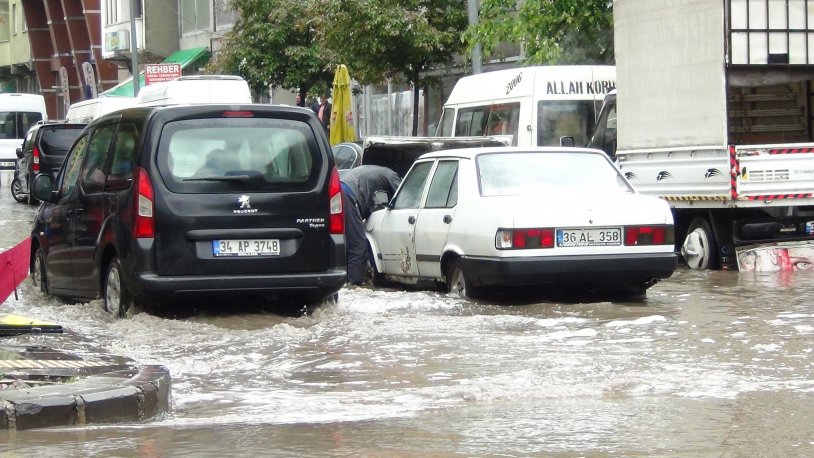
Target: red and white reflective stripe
(791,150)
(781,196)
(734,172)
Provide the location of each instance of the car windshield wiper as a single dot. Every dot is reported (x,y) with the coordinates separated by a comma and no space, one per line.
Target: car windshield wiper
(240,178)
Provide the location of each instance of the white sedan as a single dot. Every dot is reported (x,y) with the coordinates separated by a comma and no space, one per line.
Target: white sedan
(482,218)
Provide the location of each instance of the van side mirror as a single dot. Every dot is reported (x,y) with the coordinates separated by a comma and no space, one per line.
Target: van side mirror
(43,188)
(19,152)
(567,141)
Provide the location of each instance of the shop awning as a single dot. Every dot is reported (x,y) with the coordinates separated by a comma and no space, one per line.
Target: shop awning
(185,57)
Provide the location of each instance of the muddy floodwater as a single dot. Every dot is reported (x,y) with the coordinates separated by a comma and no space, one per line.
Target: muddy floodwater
(710,364)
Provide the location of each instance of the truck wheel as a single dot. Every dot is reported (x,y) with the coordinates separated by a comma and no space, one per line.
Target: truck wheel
(699,249)
(17,191)
(458,282)
(117,299)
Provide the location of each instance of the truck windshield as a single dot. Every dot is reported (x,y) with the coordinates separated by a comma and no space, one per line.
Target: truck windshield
(568,118)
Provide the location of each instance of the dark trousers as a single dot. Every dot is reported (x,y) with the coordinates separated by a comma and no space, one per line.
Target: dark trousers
(355,241)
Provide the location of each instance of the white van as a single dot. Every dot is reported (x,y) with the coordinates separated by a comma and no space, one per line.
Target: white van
(196,89)
(536,106)
(88,110)
(18,112)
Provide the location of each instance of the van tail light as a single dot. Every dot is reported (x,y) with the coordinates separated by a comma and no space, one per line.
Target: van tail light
(519,239)
(649,235)
(35,164)
(144,208)
(336,221)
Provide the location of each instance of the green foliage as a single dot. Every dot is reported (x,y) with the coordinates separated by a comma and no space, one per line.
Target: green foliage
(273,43)
(551,31)
(397,39)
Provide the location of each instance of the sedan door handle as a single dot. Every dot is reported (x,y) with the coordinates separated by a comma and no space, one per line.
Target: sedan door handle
(447,219)
(411,219)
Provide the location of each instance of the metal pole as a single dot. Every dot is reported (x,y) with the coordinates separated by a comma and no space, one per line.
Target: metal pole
(134,47)
(472,12)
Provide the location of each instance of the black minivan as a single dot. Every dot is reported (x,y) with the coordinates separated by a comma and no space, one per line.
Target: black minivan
(155,204)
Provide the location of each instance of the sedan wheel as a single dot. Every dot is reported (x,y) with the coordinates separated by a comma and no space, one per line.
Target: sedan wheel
(459,284)
(117,300)
(38,275)
(17,191)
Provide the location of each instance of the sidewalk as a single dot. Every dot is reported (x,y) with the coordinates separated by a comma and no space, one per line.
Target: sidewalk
(40,388)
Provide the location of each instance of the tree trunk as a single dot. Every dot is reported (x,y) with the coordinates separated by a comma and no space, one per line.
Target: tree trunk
(415,103)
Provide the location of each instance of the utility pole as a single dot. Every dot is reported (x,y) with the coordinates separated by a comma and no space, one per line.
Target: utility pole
(472,12)
(134,47)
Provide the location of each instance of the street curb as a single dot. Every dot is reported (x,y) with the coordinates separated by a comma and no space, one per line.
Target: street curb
(123,393)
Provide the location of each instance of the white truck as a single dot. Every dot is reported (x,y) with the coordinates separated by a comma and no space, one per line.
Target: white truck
(715,105)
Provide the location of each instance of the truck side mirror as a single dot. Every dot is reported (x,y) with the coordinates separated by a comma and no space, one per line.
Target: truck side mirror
(19,152)
(567,141)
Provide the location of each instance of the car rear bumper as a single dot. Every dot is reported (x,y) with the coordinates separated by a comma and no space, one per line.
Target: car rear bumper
(150,287)
(569,269)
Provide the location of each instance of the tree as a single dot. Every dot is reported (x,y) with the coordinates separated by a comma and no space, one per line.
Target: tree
(551,31)
(399,39)
(273,43)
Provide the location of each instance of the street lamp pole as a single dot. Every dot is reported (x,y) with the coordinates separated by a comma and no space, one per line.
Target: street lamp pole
(134,47)
(472,12)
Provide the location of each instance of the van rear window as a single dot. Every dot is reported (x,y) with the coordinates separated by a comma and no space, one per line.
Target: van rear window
(58,141)
(238,155)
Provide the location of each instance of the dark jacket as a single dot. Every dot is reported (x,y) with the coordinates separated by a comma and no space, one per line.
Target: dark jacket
(365,180)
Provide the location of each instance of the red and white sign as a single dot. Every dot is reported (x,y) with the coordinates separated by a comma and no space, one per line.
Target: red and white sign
(159,73)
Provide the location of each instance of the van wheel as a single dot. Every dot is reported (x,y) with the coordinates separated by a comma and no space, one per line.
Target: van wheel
(699,249)
(458,282)
(118,301)
(31,199)
(39,278)
(17,191)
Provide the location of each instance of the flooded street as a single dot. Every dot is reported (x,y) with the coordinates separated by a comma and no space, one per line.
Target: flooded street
(710,364)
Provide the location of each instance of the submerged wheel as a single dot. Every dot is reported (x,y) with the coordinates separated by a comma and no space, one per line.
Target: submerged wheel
(117,299)
(17,191)
(458,282)
(699,249)
(372,275)
(38,276)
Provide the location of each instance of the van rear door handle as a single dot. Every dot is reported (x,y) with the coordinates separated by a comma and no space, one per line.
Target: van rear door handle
(411,219)
(447,219)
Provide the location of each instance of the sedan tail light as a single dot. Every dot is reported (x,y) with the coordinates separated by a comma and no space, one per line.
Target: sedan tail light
(518,239)
(649,235)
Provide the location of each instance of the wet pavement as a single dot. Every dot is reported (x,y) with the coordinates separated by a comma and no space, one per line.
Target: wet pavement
(710,364)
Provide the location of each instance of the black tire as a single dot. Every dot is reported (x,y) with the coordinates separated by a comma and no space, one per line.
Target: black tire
(117,300)
(39,277)
(372,275)
(31,199)
(17,191)
(700,250)
(459,283)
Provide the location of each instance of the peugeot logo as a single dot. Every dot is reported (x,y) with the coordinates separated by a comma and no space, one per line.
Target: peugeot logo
(663,175)
(244,201)
(712,173)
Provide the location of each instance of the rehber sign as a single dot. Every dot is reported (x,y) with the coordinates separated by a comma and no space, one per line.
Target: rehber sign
(159,73)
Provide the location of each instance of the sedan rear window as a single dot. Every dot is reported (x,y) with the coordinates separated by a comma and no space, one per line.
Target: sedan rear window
(503,174)
(238,154)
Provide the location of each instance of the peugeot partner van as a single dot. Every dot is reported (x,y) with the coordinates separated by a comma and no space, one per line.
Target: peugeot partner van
(18,112)
(156,204)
